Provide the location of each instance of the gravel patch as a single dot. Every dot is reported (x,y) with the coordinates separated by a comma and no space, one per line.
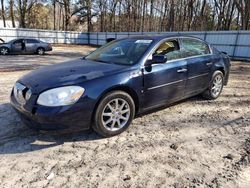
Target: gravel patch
(194,143)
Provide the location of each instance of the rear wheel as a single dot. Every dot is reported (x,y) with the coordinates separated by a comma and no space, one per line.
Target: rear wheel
(215,87)
(4,51)
(40,51)
(114,114)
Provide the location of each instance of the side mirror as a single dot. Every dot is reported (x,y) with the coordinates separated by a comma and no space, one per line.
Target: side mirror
(157,59)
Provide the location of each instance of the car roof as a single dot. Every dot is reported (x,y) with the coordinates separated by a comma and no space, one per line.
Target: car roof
(13,40)
(160,36)
(25,39)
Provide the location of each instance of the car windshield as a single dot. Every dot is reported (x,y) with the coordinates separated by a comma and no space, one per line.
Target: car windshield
(124,52)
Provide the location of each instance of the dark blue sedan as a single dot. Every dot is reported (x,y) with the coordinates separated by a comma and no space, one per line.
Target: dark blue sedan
(124,78)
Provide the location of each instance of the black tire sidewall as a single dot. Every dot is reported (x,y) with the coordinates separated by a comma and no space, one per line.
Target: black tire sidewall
(98,126)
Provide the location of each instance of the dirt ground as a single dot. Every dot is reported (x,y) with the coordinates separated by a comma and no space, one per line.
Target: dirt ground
(195,143)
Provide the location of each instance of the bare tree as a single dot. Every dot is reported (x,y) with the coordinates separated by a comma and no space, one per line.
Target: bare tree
(3,13)
(11,3)
(24,7)
(130,15)
(243,7)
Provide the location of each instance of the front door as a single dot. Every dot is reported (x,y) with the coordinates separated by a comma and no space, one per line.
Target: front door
(18,46)
(164,83)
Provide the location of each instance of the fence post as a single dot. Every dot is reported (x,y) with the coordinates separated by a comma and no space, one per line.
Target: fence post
(205,36)
(106,36)
(88,34)
(97,38)
(235,43)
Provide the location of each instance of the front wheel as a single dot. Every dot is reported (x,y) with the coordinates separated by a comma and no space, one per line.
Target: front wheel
(215,87)
(4,51)
(114,114)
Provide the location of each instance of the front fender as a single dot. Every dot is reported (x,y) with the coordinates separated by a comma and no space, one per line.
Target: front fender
(97,88)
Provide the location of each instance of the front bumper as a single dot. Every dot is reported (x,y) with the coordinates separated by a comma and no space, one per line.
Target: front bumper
(73,117)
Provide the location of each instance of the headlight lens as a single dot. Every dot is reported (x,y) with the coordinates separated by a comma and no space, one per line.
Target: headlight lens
(61,96)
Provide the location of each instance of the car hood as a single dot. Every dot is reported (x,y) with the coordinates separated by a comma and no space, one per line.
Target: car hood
(68,73)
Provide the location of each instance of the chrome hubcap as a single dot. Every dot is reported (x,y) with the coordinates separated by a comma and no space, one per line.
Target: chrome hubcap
(217,85)
(115,114)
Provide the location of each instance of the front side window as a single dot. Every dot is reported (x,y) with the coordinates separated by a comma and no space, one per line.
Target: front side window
(171,49)
(18,42)
(194,47)
(124,52)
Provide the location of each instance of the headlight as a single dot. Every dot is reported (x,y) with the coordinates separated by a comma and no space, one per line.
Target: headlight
(61,96)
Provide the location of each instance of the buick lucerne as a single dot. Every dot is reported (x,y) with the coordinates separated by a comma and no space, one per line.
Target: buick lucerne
(106,89)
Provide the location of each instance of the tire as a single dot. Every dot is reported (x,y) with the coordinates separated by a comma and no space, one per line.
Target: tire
(40,51)
(4,51)
(110,120)
(215,86)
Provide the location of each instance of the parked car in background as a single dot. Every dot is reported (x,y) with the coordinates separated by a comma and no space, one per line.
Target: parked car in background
(121,79)
(25,46)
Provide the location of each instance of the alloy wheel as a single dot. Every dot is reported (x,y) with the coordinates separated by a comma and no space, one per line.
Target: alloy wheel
(115,114)
(4,51)
(40,51)
(217,85)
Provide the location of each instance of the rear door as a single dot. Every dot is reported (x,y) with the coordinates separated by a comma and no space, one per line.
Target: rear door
(31,45)
(164,83)
(199,62)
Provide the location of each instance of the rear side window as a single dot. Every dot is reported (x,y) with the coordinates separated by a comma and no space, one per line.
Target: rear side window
(31,41)
(194,47)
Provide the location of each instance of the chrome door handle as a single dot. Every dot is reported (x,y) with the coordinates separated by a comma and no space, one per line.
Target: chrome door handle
(210,63)
(181,70)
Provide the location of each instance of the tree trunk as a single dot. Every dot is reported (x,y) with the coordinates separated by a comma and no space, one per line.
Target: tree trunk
(54,14)
(12,13)
(143,15)
(90,27)
(171,17)
(67,14)
(3,13)
(151,16)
